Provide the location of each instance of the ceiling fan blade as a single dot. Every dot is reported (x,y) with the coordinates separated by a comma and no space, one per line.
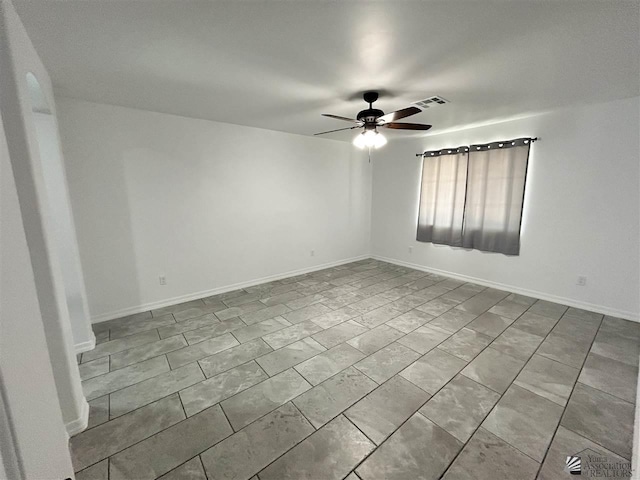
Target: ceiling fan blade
(397,115)
(407,126)
(338,117)
(338,130)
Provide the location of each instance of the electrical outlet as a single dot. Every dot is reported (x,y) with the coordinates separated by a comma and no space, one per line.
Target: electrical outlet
(162,279)
(582,281)
(312,253)
(410,250)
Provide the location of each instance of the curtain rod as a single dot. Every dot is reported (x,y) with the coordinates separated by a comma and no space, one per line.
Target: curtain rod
(534,139)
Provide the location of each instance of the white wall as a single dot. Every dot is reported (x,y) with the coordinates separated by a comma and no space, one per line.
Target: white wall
(18,58)
(63,233)
(27,384)
(206,204)
(33,440)
(581,213)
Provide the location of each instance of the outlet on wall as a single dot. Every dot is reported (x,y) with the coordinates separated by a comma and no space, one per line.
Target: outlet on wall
(312,253)
(582,281)
(410,250)
(162,279)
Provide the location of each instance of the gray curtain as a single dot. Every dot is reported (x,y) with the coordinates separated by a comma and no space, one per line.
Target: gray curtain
(442,196)
(495,192)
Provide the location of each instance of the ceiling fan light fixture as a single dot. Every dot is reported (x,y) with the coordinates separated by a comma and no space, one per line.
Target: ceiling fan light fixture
(372,119)
(359,140)
(369,138)
(380,140)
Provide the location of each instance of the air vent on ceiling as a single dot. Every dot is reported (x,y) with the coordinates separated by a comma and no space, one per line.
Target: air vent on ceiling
(430,102)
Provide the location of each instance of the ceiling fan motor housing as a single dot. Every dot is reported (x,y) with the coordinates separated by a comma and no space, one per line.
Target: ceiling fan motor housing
(369,115)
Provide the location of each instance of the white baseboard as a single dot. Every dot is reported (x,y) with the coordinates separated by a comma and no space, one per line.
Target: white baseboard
(216,291)
(633,316)
(86,346)
(81,423)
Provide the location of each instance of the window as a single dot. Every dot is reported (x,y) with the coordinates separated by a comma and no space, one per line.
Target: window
(473,196)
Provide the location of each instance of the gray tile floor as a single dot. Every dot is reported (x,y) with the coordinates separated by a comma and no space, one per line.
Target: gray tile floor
(366,370)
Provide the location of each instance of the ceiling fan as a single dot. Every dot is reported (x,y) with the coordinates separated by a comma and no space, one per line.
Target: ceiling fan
(372,118)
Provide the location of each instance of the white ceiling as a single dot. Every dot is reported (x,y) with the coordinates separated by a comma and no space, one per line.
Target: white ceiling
(280,64)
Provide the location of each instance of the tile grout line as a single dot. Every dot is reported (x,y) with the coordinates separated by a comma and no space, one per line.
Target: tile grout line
(369,329)
(577,379)
(375,445)
(231,396)
(441,388)
(360,399)
(208,407)
(502,395)
(303,416)
(432,396)
(137,383)
(602,391)
(150,378)
(156,340)
(596,443)
(510,384)
(158,433)
(109,354)
(564,410)
(139,361)
(202,465)
(233,430)
(294,446)
(301,413)
(197,361)
(464,444)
